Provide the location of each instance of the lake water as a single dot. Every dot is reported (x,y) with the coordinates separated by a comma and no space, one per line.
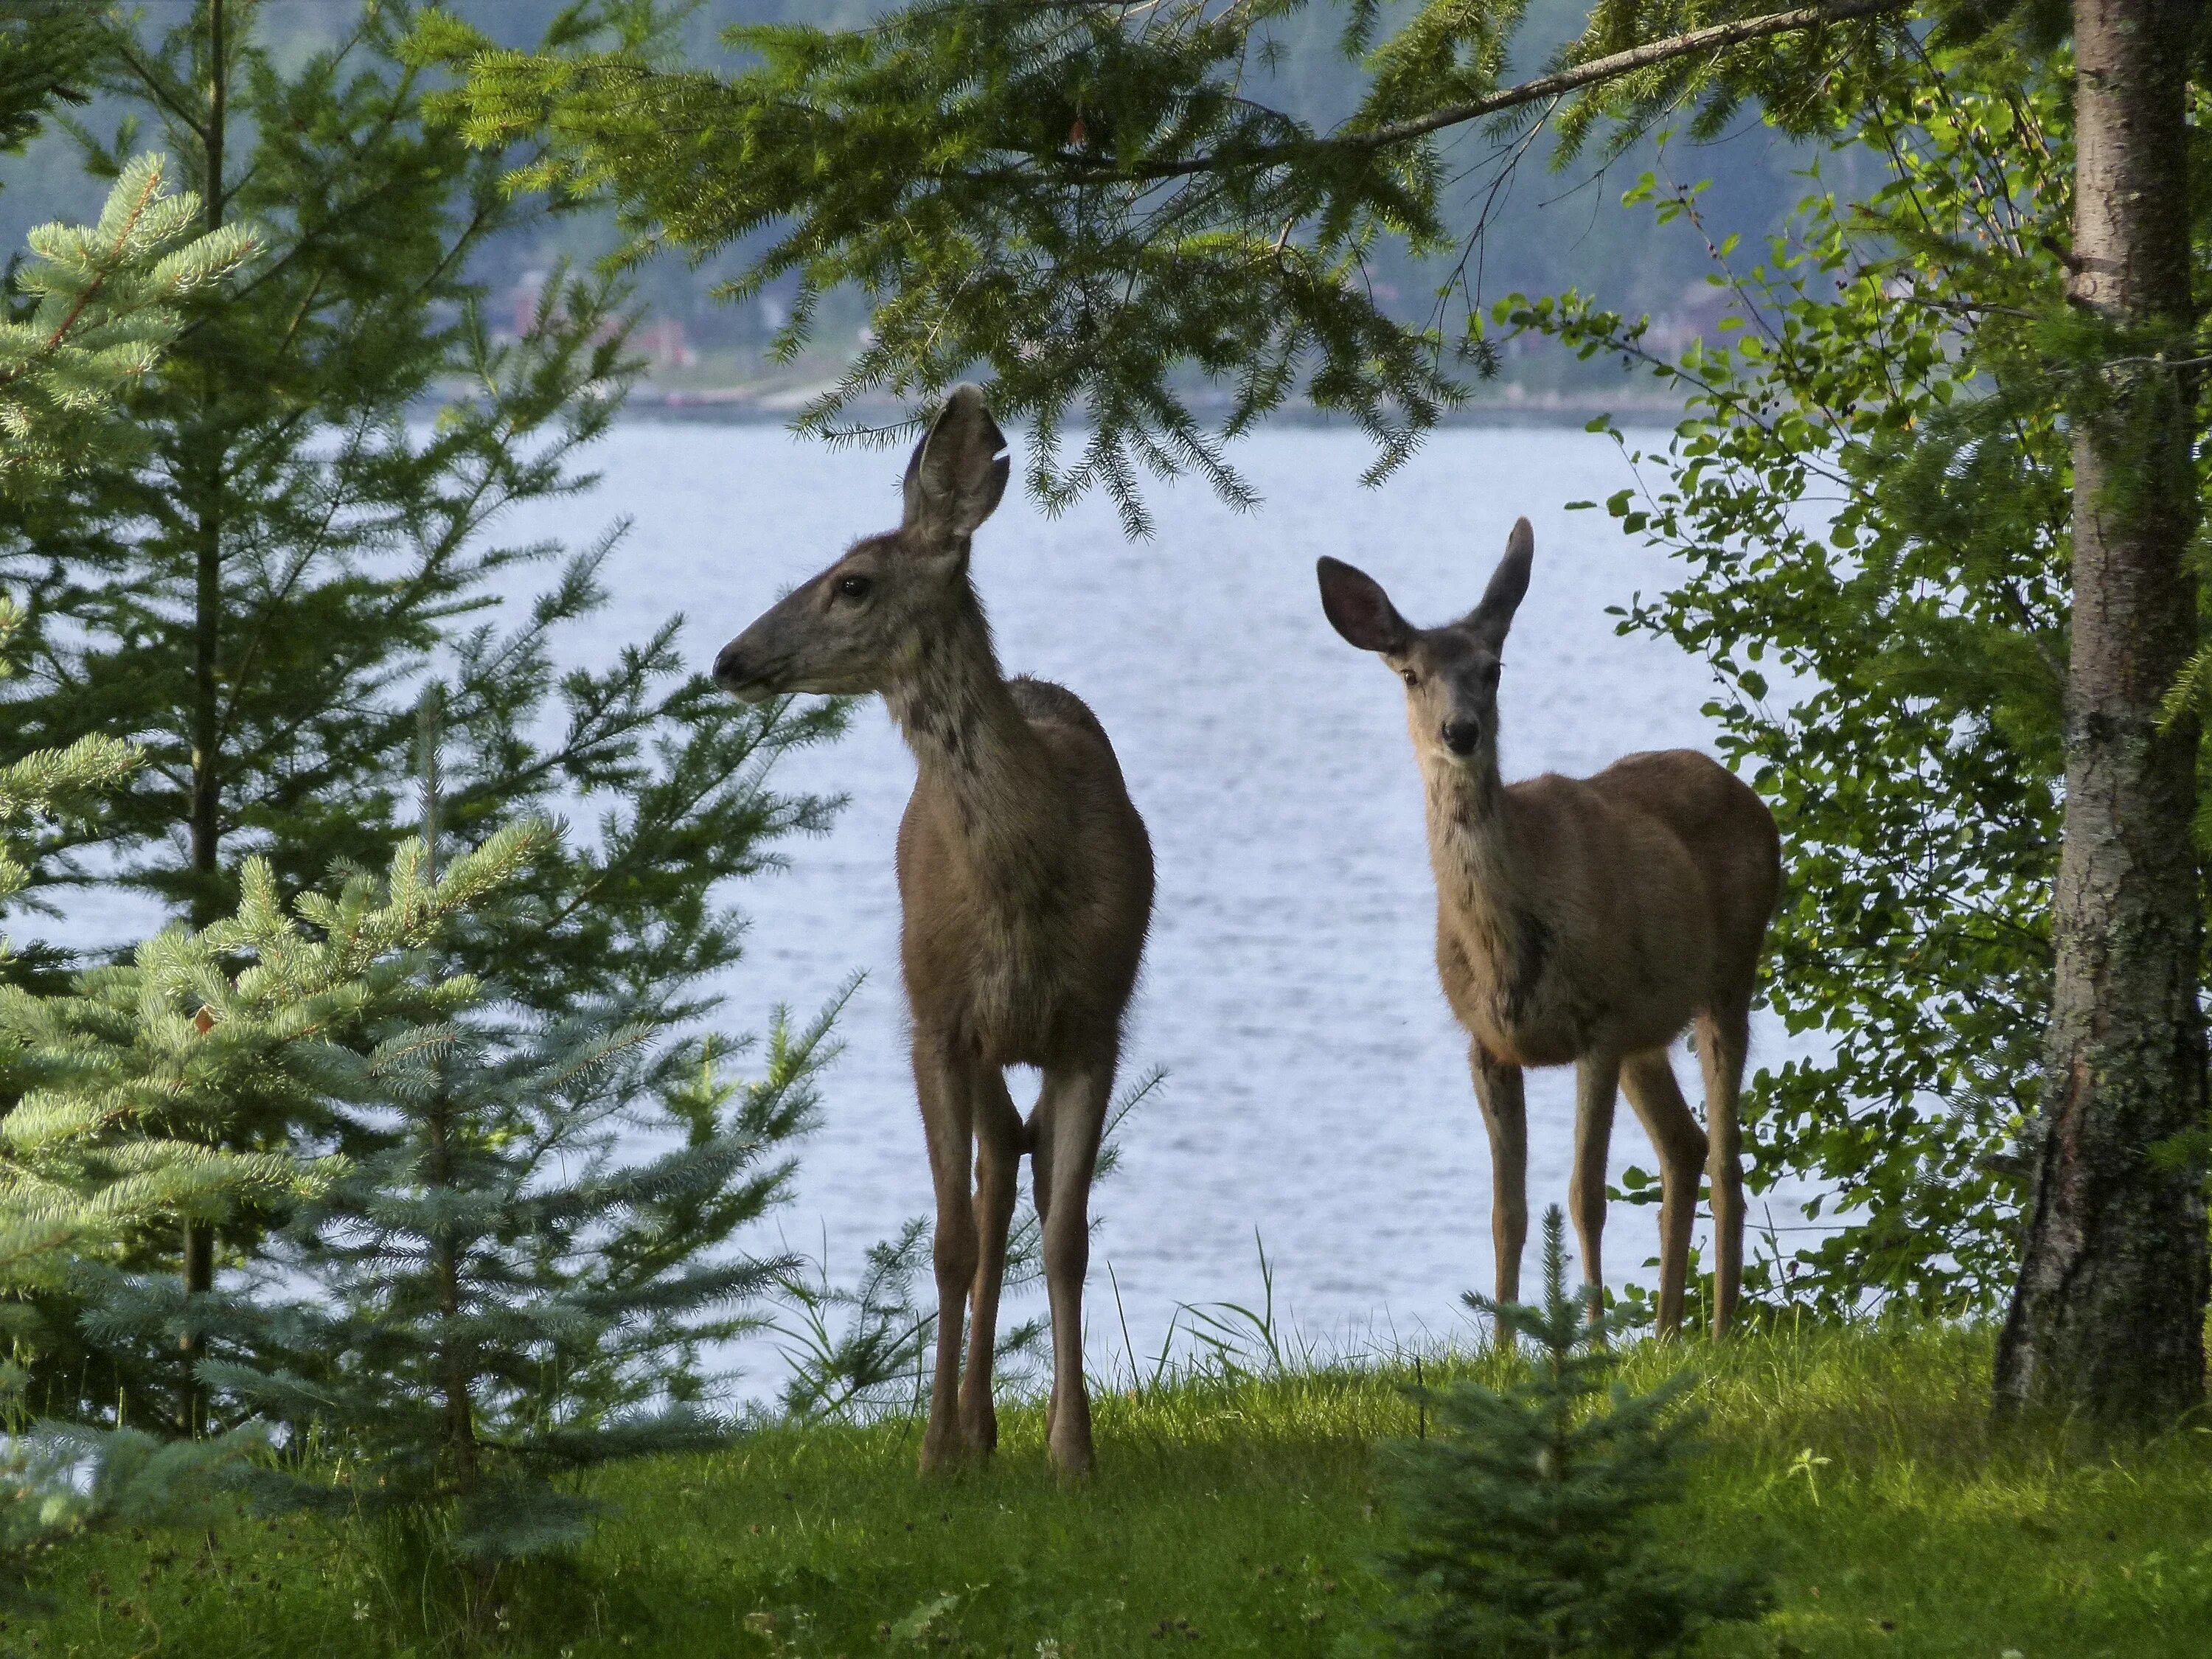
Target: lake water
(1316,1096)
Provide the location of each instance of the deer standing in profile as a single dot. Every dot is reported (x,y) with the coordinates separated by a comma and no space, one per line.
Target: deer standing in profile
(1582,920)
(1025,887)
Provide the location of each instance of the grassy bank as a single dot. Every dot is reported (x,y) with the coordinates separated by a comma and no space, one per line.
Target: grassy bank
(1241,1517)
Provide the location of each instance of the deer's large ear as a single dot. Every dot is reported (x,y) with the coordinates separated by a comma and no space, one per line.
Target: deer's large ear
(1358,609)
(959,470)
(1508,583)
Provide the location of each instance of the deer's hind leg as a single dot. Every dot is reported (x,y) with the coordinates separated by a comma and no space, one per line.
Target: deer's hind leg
(1039,1130)
(1597,1082)
(1723,1042)
(1648,1078)
(1505,1115)
(1064,1136)
(997,1165)
(946,1080)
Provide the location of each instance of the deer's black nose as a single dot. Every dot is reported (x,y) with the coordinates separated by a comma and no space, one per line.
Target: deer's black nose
(1461,736)
(730,670)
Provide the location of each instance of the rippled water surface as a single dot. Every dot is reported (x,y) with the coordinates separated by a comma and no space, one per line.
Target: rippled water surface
(1316,1096)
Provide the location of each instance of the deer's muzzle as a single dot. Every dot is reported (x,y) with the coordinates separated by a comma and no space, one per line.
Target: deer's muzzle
(741,674)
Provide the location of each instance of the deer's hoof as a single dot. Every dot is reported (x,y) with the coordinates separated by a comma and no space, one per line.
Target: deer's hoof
(1069,1441)
(943,1453)
(980,1429)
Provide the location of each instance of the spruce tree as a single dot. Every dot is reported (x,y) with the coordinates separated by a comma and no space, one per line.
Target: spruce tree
(254,601)
(1532,1510)
(507,1290)
(103,304)
(294,546)
(58,1479)
(89,1156)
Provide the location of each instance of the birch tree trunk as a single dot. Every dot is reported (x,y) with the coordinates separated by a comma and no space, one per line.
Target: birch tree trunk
(2107,1321)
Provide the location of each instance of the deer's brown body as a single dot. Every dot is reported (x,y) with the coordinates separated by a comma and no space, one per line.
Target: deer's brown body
(1025,887)
(1024,873)
(1584,922)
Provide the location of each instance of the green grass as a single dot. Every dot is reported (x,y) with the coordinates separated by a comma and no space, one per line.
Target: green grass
(1241,1517)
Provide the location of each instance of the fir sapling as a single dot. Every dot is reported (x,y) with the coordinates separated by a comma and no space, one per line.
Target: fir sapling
(117,1088)
(517,1272)
(1534,1510)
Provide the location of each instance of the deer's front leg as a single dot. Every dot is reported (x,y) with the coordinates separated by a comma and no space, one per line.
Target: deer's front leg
(998,1162)
(1597,1081)
(946,1081)
(1070,1118)
(1505,1115)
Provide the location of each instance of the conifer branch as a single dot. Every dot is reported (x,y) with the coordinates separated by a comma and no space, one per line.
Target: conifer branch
(108,303)
(1613,66)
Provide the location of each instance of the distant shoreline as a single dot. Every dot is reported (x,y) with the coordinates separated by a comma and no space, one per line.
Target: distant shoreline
(744,406)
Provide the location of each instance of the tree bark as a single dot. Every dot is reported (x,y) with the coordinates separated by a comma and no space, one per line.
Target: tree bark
(2107,1321)
(206,809)
(205,828)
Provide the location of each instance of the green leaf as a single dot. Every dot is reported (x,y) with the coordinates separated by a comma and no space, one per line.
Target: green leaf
(918,1623)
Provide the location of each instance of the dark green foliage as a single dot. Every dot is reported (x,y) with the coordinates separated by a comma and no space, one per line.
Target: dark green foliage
(244,602)
(253,605)
(1300,68)
(44,46)
(943,164)
(1537,1510)
(47,787)
(1869,506)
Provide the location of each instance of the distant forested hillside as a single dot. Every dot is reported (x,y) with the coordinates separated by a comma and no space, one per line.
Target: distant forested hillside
(1547,230)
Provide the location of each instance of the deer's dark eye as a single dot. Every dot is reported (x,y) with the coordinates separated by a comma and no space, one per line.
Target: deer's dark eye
(1409,677)
(1490,674)
(854,588)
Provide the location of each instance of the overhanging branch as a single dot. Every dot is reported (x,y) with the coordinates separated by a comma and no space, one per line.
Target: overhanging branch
(1613,66)
(1610,67)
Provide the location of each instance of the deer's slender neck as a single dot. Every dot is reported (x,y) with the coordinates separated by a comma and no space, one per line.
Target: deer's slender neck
(1471,844)
(969,738)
